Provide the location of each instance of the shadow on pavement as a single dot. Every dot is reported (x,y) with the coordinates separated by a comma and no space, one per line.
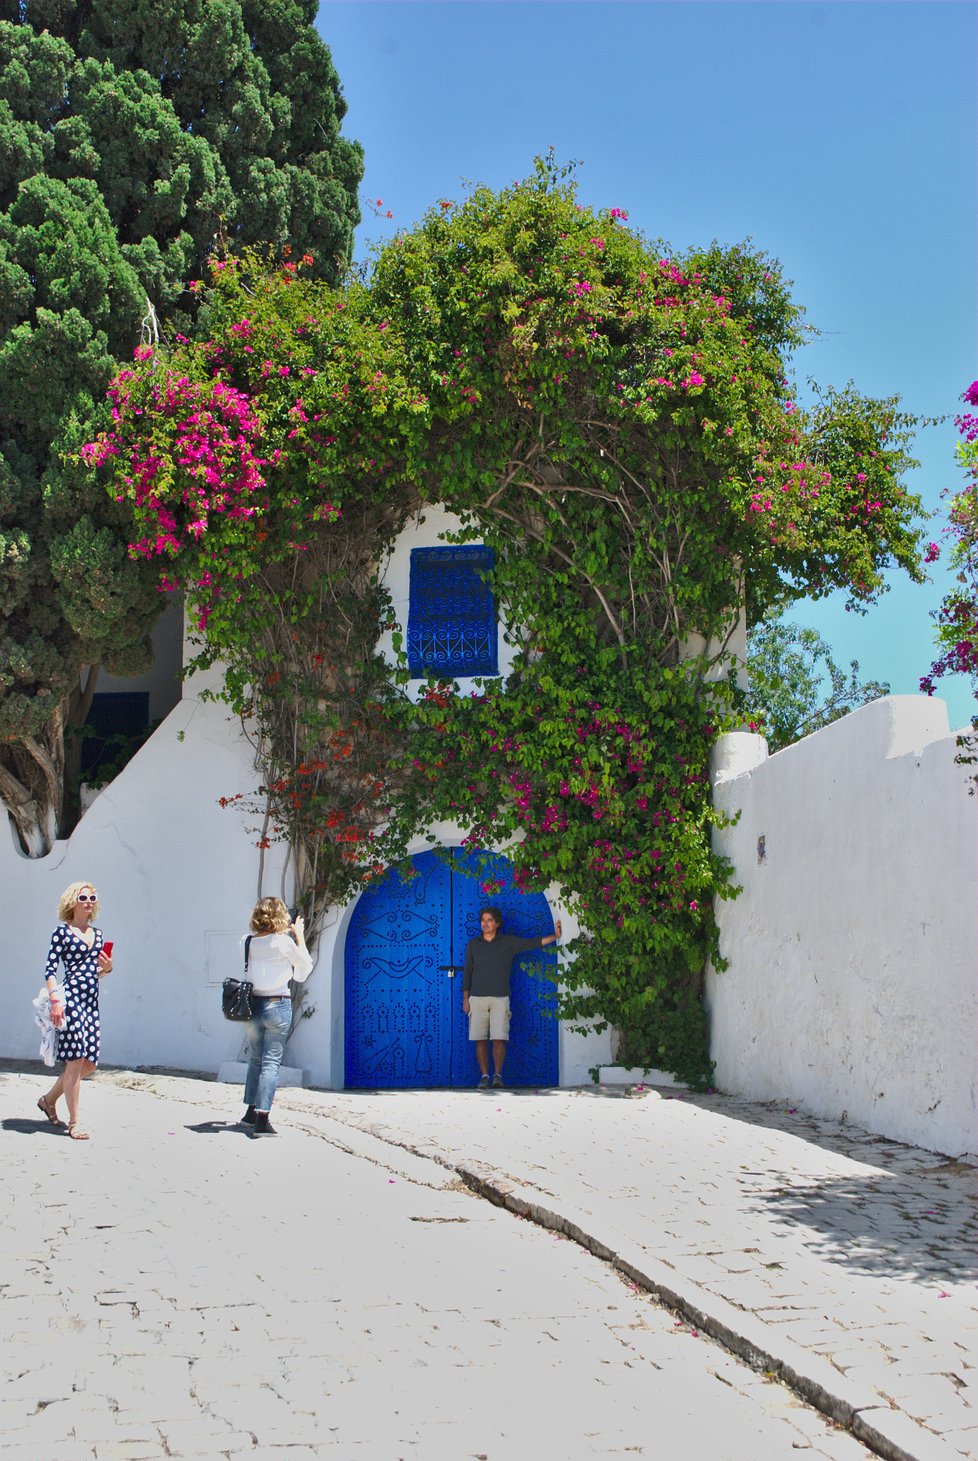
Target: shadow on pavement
(217,1128)
(906,1228)
(832,1136)
(24,1126)
(547,1092)
(909,1212)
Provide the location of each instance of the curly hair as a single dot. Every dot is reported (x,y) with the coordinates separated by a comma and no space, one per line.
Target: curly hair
(494,914)
(270,915)
(69,901)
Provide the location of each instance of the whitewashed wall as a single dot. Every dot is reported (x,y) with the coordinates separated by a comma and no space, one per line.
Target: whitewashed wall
(177,877)
(853,981)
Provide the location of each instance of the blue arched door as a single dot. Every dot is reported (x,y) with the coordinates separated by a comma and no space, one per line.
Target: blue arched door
(404,1021)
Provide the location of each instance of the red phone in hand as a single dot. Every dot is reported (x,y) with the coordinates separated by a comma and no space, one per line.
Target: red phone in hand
(107,948)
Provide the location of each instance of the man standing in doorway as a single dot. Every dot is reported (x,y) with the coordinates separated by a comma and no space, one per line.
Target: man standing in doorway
(485,988)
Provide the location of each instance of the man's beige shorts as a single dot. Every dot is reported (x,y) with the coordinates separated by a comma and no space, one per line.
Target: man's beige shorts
(488,1016)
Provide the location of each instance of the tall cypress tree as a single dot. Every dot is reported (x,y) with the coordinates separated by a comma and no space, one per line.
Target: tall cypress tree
(135,135)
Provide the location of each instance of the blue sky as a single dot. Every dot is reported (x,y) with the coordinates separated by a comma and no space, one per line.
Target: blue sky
(841,138)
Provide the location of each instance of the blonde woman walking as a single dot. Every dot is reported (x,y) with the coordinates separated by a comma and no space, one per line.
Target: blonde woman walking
(77,946)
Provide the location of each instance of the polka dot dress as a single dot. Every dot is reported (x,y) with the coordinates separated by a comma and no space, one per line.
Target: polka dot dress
(78,1038)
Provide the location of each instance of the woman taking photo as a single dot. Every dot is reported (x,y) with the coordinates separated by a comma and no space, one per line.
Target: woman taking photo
(77,945)
(276,953)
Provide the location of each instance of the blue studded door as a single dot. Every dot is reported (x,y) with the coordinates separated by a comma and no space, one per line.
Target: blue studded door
(404,1021)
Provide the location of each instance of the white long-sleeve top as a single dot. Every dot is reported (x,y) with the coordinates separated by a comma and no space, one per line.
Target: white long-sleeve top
(274,959)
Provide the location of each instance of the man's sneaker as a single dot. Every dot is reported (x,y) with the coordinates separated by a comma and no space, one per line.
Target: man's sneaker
(248,1119)
(262,1126)
(497,1080)
(483,1083)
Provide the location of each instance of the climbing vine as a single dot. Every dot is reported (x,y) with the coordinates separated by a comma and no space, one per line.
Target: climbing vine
(617,422)
(957,618)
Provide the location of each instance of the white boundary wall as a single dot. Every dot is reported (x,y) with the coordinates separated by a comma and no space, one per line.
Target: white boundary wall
(852,986)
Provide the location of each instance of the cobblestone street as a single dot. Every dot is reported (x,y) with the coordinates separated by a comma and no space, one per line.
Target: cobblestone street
(175,1289)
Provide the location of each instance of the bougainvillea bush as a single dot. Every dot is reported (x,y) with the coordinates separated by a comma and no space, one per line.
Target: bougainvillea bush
(957,618)
(133,135)
(617,422)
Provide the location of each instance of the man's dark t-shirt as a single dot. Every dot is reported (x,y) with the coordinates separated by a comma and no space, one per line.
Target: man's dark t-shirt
(488,963)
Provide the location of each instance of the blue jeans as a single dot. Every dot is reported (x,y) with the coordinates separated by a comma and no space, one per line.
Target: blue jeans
(268,1031)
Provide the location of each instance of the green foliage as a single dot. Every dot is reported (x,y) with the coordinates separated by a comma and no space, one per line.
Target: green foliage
(595,778)
(114,752)
(616,423)
(796,687)
(957,618)
(137,136)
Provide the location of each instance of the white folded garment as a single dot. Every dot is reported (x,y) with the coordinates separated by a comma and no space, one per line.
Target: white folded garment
(42,1019)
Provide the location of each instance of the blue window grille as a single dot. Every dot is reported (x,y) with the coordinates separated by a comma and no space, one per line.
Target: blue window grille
(452,614)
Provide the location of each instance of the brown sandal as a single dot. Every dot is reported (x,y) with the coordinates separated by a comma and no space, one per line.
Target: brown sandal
(50,1112)
(77,1132)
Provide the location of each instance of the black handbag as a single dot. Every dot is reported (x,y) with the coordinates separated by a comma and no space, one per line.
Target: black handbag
(236,993)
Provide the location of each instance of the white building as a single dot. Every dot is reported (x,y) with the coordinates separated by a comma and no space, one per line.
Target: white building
(852,984)
(178,876)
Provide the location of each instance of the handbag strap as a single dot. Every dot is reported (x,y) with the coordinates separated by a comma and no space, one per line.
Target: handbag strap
(247,950)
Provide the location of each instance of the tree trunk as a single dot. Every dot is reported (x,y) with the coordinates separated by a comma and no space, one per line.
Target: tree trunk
(38,788)
(26,797)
